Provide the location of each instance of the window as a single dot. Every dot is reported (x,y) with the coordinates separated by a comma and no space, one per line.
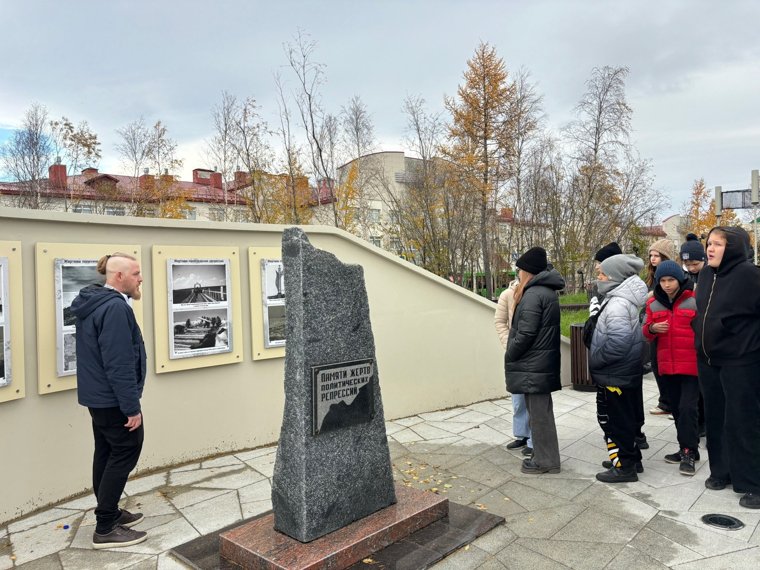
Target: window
(216,214)
(394,218)
(374,216)
(190,214)
(80,209)
(115,211)
(376,241)
(395,245)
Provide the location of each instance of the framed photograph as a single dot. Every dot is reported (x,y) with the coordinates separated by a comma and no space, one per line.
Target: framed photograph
(199,307)
(273,282)
(273,302)
(275,326)
(267,296)
(5,333)
(71,275)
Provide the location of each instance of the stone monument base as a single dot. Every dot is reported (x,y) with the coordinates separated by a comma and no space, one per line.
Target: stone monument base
(256,545)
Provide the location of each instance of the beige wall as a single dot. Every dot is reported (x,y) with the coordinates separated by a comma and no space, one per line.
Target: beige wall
(436,348)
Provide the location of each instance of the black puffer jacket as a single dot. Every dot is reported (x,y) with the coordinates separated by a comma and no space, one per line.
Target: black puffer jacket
(532,360)
(727,326)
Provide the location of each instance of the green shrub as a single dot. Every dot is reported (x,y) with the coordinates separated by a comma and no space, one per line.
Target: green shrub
(568,318)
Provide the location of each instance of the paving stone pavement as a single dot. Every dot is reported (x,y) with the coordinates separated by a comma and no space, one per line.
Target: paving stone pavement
(568,520)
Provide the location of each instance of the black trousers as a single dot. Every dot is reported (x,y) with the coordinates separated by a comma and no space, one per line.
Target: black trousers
(543,430)
(116,453)
(732,422)
(683,392)
(662,402)
(617,416)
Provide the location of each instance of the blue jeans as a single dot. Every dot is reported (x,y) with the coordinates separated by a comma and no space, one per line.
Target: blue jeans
(520,421)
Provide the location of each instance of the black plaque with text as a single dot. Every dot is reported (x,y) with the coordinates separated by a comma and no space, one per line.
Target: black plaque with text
(342,394)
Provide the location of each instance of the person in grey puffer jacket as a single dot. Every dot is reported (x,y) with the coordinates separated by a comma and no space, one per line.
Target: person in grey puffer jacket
(615,364)
(532,360)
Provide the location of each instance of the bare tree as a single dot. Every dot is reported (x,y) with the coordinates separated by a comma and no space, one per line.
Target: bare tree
(134,150)
(221,147)
(27,155)
(162,155)
(310,76)
(298,211)
(78,146)
(357,128)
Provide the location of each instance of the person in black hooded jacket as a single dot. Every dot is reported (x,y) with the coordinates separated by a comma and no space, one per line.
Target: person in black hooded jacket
(532,360)
(110,379)
(727,339)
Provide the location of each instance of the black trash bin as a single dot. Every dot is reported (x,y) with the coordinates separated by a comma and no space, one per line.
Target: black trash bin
(579,374)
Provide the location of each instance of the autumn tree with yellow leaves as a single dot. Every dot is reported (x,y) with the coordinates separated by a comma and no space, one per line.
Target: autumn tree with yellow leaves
(480,140)
(698,215)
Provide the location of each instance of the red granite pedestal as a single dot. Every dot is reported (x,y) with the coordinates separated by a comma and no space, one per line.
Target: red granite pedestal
(257,546)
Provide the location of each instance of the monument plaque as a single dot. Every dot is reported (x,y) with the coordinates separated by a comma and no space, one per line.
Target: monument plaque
(343,395)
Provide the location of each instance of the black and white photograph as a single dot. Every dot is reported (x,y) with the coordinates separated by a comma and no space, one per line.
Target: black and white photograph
(273,281)
(5,377)
(71,275)
(199,308)
(198,282)
(275,326)
(5,330)
(273,302)
(198,332)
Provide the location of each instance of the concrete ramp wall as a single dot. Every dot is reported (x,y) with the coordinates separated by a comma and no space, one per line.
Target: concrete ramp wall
(436,348)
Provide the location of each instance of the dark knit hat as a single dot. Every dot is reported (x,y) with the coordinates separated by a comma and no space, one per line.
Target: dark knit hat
(533,261)
(608,250)
(692,250)
(669,268)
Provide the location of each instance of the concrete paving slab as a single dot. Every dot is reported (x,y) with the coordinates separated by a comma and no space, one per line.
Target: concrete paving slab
(234,480)
(529,497)
(144,484)
(51,562)
(498,503)
(215,513)
(592,556)
(264,463)
(255,453)
(544,523)
(519,556)
(487,408)
(442,415)
(77,558)
(698,539)
(630,557)
(495,540)
(466,558)
(164,537)
(43,539)
(661,548)
(599,526)
(410,421)
(751,521)
(483,471)
(749,558)
(183,497)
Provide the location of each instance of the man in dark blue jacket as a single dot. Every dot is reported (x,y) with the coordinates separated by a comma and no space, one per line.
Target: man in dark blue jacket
(110,380)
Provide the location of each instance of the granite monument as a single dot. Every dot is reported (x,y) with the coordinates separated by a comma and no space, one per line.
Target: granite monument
(333,466)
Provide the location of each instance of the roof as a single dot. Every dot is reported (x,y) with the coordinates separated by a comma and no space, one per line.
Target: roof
(85,187)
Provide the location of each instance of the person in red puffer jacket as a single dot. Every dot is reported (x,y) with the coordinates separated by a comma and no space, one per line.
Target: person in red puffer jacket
(669,314)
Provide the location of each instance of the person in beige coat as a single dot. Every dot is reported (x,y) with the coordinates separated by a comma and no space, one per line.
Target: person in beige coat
(520,421)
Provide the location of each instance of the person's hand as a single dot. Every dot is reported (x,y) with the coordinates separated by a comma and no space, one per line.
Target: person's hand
(658,328)
(134,422)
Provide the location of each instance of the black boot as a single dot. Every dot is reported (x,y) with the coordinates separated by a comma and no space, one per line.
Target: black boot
(608,465)
(618,475)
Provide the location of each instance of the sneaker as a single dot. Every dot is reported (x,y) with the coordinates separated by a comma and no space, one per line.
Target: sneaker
(118,537)
(531,468)
(687,463)
(676,457)
(671,418)
(527,452)
(642,442)
(750,501)
(128,519)
(518,443)
(615,475)
(658,411)
(608,465)
(716,483)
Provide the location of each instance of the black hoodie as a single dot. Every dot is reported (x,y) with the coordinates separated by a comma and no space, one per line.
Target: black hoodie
(727,326)
(110,351)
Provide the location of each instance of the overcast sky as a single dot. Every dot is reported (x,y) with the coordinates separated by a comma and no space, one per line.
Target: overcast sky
(694,81)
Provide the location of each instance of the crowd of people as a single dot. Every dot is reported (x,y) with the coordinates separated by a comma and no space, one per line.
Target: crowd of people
(694,316)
